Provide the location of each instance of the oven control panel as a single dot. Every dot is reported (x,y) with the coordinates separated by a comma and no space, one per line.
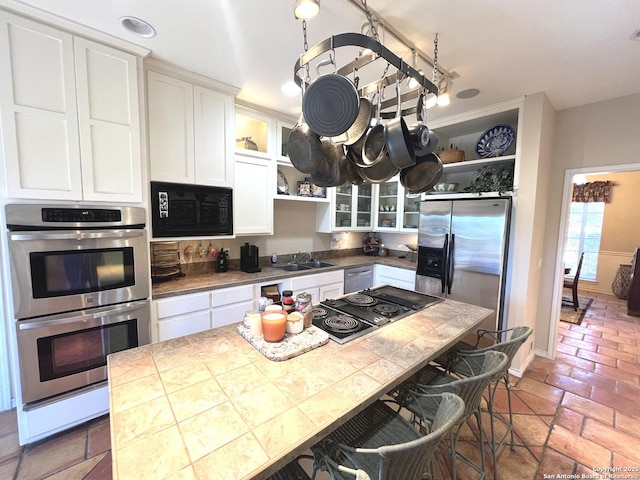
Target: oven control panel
(80,215)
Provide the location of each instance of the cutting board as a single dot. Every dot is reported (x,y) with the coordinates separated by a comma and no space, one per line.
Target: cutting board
(291,346)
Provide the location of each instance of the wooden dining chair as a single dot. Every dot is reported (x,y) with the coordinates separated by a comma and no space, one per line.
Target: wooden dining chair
(572,283)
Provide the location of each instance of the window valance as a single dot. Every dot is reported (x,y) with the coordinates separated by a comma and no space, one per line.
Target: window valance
(592,192)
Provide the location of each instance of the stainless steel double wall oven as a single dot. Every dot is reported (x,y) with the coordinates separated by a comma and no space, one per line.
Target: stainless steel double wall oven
(80,285)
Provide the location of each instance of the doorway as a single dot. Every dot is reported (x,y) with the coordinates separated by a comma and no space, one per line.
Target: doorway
(562,240)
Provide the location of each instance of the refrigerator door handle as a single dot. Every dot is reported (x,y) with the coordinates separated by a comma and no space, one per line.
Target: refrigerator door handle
(445,260)
(450,261)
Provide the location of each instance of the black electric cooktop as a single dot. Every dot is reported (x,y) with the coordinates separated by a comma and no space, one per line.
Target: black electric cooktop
(408,298)
(352,315)
(340,326)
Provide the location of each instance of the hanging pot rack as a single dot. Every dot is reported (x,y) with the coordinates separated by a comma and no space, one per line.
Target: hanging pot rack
(403,69)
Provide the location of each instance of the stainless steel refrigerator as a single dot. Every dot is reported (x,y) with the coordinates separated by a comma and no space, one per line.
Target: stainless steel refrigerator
(462,252)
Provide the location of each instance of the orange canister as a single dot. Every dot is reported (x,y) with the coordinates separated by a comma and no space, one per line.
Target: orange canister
(274,324)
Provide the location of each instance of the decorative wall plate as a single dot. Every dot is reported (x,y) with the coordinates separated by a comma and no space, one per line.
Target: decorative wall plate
(495,141)
(283,185)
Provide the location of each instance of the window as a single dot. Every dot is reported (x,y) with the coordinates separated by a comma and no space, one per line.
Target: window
(585,228)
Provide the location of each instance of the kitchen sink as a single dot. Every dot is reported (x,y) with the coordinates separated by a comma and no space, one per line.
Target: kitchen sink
(292,267)
(317,264)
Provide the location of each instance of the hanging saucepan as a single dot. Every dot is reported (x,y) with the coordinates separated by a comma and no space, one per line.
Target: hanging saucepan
(360,125)
(354,152)
(423,175)
(398,139)
(380,172)
(353,174)
(374,148)
(331,103)
(332,170)
(433,143)
(420,132)
(304,148)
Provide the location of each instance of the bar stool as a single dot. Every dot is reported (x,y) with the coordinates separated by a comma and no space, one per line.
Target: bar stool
(379,443)
(414,393)
(462,356)
(292,471)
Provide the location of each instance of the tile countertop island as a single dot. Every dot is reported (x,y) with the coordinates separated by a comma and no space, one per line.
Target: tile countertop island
(210,406)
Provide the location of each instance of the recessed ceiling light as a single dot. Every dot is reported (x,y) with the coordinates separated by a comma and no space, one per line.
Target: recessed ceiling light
(636,35)
(290,89)
(138,27)
(468,93)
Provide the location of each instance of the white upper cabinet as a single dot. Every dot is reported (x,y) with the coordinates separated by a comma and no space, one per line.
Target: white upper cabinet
(253,196)
(170,122)
(393,210)
(213,121)
(109,121)
(349,209)
(70,116)
(255,173)
(191,131)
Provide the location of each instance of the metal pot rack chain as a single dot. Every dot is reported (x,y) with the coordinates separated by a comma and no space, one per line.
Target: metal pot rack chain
(377,51)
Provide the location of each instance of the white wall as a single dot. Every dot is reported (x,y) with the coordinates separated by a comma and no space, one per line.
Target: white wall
(530,217)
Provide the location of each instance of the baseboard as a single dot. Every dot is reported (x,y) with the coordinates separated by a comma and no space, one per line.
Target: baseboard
(519,372)
(543,354)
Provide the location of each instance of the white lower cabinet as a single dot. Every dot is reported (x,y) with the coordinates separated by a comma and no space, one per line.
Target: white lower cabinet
(395,276)
(228,305)
(183,315)
(192,313)
(321,285)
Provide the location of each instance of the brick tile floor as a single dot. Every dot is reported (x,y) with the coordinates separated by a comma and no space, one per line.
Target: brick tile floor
(578,412)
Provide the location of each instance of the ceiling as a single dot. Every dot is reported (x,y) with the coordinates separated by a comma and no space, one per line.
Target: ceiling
(576,51)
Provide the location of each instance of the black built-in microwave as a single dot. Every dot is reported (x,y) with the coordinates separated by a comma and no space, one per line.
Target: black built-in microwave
(186,210)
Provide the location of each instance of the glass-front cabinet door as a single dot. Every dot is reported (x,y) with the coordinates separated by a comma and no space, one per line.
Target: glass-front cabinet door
(410,212)
(282,139)
(353,207)
(394,211)
(364,203)
(253,133)
(388,204)
(344,206)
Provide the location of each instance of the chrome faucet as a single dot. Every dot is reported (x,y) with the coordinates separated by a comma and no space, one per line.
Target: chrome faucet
(306,255)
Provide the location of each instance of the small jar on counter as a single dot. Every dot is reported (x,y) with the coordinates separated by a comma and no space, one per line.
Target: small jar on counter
(288,304)
(253,321)
(303,305)
(262,304)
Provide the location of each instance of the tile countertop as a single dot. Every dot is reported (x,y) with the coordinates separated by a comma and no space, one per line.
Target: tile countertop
(209,405)
(207,281)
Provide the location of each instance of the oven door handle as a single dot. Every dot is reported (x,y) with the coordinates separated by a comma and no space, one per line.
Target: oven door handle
(77,235)
(102,312)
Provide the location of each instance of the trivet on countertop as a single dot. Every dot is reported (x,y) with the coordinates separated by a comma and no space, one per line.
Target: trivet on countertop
(292,345)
